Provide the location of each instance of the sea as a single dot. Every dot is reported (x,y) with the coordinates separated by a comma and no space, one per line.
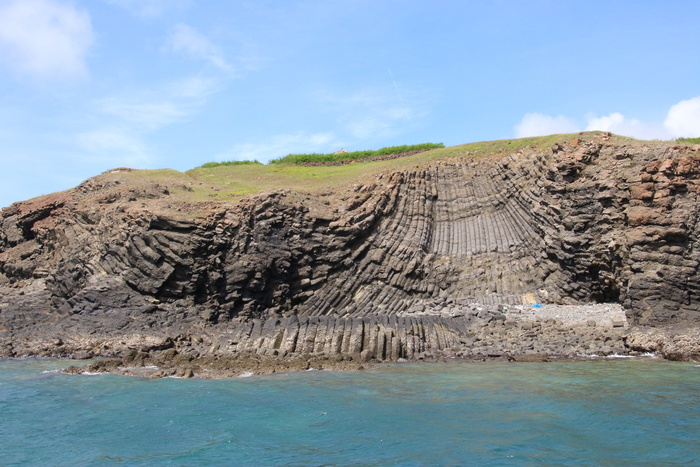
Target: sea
(601,412)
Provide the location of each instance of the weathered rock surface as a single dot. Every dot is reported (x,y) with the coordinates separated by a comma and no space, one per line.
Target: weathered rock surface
(672,343)
(390,269)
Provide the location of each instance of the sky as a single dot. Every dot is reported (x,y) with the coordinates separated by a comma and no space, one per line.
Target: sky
(90,85)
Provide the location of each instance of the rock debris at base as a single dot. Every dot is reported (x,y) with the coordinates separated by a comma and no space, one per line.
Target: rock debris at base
(278,345)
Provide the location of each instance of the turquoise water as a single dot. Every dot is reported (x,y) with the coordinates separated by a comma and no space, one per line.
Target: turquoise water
(626,412)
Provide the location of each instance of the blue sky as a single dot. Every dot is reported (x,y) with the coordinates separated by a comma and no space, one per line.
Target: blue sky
(89,85)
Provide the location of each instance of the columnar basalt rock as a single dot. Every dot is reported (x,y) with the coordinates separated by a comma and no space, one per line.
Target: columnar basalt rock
(353,273)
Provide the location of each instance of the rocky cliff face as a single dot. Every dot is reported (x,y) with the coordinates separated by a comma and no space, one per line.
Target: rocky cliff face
(588,221)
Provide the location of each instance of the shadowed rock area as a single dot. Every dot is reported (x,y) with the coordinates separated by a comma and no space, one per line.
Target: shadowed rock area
(414,263)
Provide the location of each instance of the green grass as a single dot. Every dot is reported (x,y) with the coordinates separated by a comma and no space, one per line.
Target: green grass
(236,181)
(228,183)
(209,165)
(688,140)
(355,155)
(231,182)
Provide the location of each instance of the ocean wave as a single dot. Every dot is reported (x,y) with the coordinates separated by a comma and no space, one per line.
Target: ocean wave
(616,355)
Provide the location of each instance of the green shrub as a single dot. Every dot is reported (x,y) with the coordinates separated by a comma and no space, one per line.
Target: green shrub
(346,156)
(209,165)
(688,140)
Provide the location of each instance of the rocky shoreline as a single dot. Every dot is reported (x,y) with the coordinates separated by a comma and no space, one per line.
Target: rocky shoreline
(169,363)
(679,346)
(512,333)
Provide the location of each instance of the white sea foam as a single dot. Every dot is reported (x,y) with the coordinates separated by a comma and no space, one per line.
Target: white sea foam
(616,355)
(91,373)
(138,368)
(247,374)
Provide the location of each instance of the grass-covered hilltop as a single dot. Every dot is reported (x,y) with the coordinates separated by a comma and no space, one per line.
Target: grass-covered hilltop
(338,156)
(230,180)
(407,252)
(343,155)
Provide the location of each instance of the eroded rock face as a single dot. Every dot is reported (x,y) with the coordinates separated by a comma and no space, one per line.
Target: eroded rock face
(588,221)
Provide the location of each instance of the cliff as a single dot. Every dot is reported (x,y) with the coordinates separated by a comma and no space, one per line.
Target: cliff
(393,259)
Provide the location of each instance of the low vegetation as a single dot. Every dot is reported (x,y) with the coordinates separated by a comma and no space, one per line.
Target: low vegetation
(227,182)
(688,140)
(354,155)
(209,165)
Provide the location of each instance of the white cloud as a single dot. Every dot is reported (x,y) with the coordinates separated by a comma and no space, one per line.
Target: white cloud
(621,125)
(131,117)
(44,38)
(380,124)
(280,146)
(114,145)
(607,123)
(195,87)
(148,8)
(159,107)
(683,119)
(368,113)
(127,120)
(152,115)
(536,124)
(188,40)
